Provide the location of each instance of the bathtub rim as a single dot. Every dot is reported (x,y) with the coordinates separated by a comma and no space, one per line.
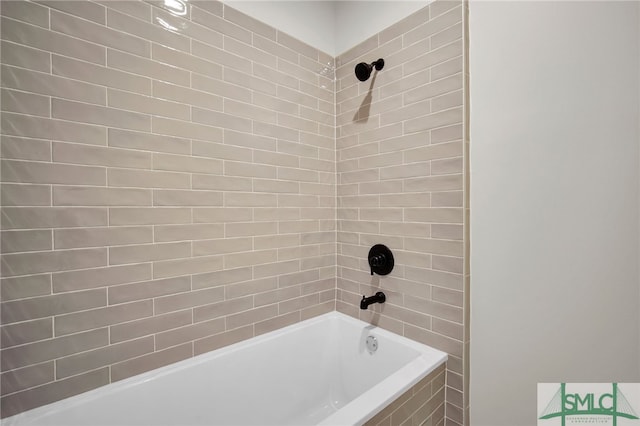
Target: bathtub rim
(373,400)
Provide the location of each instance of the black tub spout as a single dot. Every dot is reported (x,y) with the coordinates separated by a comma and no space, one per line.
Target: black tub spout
(379,297)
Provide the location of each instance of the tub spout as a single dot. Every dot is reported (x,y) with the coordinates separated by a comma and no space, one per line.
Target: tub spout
(379,297)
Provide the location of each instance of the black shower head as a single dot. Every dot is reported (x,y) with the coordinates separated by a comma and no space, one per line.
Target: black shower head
(363,70)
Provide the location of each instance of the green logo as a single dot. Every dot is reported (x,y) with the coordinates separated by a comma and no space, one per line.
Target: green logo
(566,404)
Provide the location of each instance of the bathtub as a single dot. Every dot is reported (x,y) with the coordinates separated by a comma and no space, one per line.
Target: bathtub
(328,370)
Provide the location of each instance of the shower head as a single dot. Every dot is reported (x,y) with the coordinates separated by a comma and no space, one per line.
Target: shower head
(363,70)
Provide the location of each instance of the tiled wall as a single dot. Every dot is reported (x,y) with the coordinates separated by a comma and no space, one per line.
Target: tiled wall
(401,152)
(422,405)
(168,187)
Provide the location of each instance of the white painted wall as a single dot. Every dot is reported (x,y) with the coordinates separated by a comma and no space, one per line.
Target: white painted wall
(554,200)
(331,26)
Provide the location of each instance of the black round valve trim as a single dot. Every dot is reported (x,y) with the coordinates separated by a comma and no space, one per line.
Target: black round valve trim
(380,260)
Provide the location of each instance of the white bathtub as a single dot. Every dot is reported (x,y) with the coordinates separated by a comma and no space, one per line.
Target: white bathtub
(318,371)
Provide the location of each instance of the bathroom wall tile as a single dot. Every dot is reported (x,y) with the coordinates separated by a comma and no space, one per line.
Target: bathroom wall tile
(51,85)
(149,216)
(229,160)
(449,329)
(437,341)
(148,252)
(251,316)
(221,215)
(87,196)
(447,199)
(447,232)
(146,31)
(43,128)
(26,332)
(187,61)
(246,288)
(189,28)
(222,339)
(188,232)
(434,57)
(27,286)
(250,229)
(17,148)
(86,361)
(90,11)
(448,264)
(101,317)
(433,152)
(100,156)
(437,23)
(436,88)
(277,49)
(444,247)
(221,183)
(129,368)
(220,88)
(447,101)
(21,241)
(189,333)
(28,12)
(222,246)
(30,172)
(219,119)
(28,377)
(44,306)
(241,199)
(186,96)
(53,261)
(438,119)
(186,198)
(25,57)
(147,105)
(246,50)
(282,79)
(140,10)
(51,392)
(237,260)
(277,322)
(25,195)
(401,181)
(188,300)
(98,34)
(148,326)
(42,39)
(147,179)
(452,66)
(75,111)
(100,277)
(169,127)
(146,67)
(148,142)
(216,23)
(144,290)
(218,278)
(45,350)
(25,103)
(221,309)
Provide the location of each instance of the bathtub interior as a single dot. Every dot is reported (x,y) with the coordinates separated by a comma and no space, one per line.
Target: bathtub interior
(300,375)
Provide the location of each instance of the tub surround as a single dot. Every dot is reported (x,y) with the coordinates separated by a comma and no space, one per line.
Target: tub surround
(170,182)
(168,187)
(402,147)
